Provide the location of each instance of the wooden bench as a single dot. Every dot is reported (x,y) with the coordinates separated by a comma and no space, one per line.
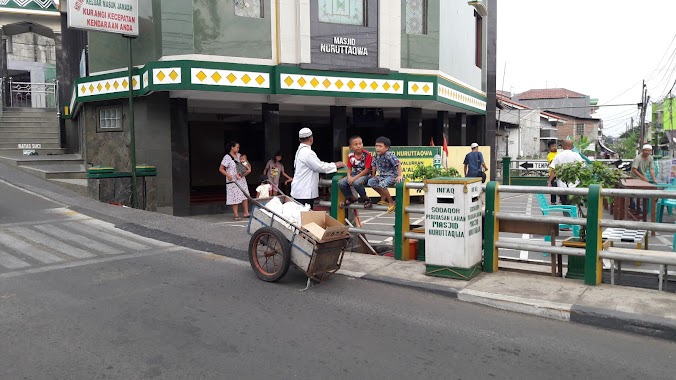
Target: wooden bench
(663,259)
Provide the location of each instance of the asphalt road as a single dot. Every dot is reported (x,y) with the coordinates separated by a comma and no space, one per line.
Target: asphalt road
(153,310)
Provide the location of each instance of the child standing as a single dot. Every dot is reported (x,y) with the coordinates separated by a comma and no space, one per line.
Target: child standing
(274,170)
(263,191)
(358,168)
(389,172)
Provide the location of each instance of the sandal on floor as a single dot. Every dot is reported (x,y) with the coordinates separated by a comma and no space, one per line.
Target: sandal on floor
(247,216)
(390,209)
(237,219)
(347,202)
(368,204)
(383,203)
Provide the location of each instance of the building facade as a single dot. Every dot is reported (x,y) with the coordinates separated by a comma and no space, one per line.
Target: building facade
(257,71)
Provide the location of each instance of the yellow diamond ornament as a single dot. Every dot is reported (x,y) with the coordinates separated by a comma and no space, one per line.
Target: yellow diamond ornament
(201,76)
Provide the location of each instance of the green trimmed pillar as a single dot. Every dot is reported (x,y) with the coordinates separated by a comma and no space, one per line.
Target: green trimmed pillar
(338,213)
(402,222)
(592,263)
(492,227)
(506,164)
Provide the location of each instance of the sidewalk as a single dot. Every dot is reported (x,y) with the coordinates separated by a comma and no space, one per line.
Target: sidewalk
(645,312)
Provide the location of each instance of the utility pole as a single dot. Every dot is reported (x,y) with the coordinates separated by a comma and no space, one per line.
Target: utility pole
(644,108)
(641,121)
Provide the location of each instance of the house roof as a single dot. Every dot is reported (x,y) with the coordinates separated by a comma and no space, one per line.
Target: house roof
(549,93)
(567,117)
(511,102)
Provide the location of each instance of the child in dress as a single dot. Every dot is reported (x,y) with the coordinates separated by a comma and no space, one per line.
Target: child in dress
(388,167)
(263,191)
(274,170)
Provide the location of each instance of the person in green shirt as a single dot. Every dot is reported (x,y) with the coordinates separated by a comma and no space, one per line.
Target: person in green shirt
(550,156)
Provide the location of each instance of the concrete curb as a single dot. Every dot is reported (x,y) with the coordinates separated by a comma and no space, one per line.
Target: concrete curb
(551,310)
(656,327)
(438,289)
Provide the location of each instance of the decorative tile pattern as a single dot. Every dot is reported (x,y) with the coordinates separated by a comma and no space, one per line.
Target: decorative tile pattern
(229,78)
(457,96)
(248,8)
(421,88)
(349,12)
(341,84)
(171,75)
(30,4)
(107,86)
(415,16)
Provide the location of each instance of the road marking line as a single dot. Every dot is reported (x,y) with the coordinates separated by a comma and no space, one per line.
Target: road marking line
(30,192)
(39,238)
(663,240)
(374,217)
(62,234)
(73,264)
(44,221)
(30,250)
(10,262)
(523,255)
(529,205)
(108,227)
(95,233)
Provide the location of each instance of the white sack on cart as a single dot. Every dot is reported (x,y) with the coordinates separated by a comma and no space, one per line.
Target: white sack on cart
(291,211)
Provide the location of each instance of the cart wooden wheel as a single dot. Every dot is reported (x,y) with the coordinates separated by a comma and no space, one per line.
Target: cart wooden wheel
(269,254)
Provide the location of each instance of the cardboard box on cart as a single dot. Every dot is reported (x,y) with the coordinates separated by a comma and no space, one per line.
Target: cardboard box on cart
(322,226)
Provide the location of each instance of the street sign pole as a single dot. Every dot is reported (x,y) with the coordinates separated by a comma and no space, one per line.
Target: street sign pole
(132,138)
(96,16)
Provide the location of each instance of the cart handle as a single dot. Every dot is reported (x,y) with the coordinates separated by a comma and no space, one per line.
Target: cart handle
(262,206)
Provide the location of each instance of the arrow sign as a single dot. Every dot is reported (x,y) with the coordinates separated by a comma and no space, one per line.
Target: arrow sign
(535,165)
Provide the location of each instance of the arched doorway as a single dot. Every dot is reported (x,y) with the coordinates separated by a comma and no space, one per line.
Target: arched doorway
(28,66)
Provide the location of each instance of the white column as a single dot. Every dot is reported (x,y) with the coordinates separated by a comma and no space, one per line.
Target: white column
(389,35)
(304,31)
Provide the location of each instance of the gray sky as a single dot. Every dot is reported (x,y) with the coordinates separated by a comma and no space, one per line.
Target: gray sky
(602,48)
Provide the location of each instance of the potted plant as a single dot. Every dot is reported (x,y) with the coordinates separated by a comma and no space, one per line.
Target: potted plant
(584,175)
(423,172)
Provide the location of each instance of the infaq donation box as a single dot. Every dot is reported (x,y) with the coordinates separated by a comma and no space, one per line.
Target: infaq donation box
(453,227)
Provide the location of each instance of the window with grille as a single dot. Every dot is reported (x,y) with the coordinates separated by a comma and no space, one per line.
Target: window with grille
(110,118)
(579,129)
(350,12)
(249,8)
(416,16)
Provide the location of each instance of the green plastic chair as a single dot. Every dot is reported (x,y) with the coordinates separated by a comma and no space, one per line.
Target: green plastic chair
(571,211)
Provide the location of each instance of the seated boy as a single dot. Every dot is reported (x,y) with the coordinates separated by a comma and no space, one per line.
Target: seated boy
(389,172)
(358,168)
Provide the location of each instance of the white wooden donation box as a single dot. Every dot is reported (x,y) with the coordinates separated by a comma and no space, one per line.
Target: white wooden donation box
(453,235)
